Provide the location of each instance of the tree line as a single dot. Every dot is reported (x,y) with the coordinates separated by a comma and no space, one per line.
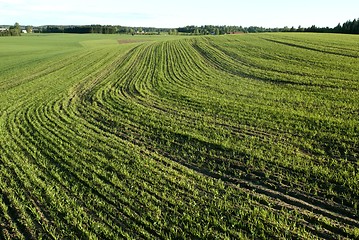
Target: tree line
(109,29)
(210,29)
(11,31)
(349,27)
(14,30)
(101,29)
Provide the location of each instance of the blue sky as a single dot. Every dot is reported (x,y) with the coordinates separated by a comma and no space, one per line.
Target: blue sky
(178,13)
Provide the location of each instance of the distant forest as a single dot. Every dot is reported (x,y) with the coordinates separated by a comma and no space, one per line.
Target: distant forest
(349,27)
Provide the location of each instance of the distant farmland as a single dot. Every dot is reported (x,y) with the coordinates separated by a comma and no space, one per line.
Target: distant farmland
(165,137)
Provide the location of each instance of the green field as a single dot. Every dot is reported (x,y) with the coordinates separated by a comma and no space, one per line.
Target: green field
(167,137)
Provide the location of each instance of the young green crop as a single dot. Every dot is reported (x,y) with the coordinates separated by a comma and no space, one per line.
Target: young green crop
(231,137)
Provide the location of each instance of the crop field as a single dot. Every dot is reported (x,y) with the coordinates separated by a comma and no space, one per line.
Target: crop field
(250,136)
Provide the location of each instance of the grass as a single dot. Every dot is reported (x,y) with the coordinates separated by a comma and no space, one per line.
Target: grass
(229,137)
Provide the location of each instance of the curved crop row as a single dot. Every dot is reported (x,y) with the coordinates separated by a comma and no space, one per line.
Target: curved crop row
(217,137)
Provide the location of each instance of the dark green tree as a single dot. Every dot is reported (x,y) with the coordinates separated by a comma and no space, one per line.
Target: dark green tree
(15,30)
(300,29)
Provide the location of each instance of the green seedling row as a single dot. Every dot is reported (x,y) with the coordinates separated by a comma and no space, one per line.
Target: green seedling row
(252,136)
